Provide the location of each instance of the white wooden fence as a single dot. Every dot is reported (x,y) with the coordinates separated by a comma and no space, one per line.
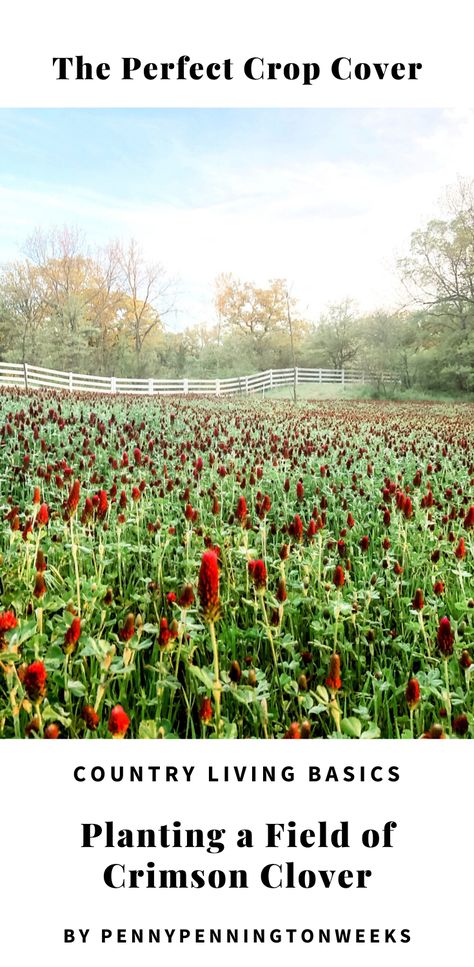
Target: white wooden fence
(35,377)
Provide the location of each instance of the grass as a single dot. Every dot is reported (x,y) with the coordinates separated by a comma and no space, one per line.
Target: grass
(316,391)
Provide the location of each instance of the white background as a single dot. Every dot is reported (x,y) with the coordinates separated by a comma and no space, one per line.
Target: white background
(423,883)
(48,883)
(431,31)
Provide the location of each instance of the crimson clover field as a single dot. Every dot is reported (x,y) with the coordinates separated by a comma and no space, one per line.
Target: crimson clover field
(206,568)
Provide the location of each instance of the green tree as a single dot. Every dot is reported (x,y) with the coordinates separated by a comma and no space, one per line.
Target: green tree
(337,336)
(23,310)
(259,314)
(147,297)
(388,343)
(439,276)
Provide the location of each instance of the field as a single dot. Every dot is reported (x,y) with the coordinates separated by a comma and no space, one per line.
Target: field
(204,568)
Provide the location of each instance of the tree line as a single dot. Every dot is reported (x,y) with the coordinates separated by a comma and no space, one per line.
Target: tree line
(106,312)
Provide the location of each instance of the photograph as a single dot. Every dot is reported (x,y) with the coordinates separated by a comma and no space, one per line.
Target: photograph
(236,423)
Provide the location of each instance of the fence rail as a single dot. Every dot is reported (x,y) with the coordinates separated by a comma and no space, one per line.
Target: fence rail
(35,377)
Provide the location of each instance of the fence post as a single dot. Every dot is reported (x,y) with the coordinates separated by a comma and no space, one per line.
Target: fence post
(25,374)
(246,385)
(271,379)
(150,387)
(218,387)
(185,386)
(320,376)
(70,382)
(342,378)
(113,384)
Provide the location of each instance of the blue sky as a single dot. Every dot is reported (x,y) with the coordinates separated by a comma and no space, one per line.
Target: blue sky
(325,198)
